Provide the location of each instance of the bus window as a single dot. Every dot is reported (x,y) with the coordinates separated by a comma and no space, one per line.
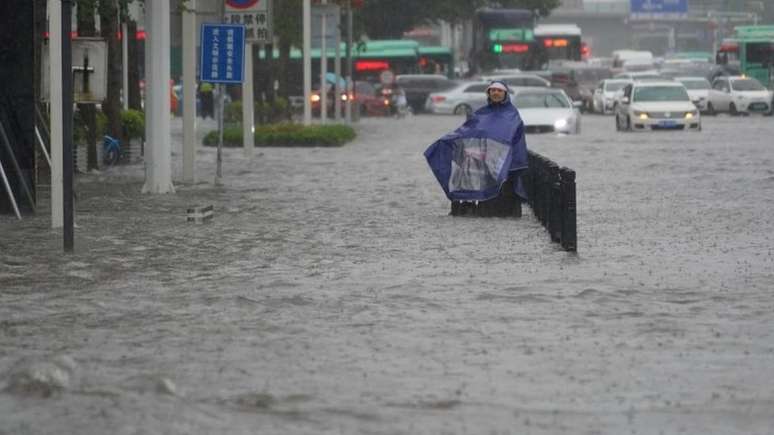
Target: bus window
(760,53)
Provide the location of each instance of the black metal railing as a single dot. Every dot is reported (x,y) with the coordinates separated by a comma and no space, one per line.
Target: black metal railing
(551,192)
(551,195)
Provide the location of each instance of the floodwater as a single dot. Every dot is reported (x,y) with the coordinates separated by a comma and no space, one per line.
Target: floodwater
(332,294)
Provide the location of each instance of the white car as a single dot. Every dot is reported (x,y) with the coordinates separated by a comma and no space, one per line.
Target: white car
(655,105)
(738,94)
(518,80)
(639,75)
(698,89)
(462,99)
(547,110)
(605,92)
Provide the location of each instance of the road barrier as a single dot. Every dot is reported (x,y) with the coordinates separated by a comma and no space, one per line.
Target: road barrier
(551,195)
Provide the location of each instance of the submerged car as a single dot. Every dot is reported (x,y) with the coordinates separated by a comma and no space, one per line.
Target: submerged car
(663,105)
(419,86)
(462,99)
(546,110)
(738,95)
(605,94)
(698,89)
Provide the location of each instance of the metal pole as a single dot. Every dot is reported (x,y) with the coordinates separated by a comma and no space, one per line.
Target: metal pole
(337,71)
(350,87)
(7,142)
(10,192)
(307,61)
(67,127)
(55,70)
(189,92)
(323,66)
(220,88)
(125,64)
(248,102)
(42,146)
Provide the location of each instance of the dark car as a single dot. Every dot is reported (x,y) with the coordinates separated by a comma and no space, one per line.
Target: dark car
(579,81)
(418,86)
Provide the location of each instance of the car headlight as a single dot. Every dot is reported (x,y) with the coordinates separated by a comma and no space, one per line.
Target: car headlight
(641,115)
(560,124)
(690,115)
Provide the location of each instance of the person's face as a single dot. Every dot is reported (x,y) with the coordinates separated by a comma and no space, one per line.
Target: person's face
(496,95)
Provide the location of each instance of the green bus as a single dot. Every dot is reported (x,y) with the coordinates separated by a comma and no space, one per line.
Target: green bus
(755,50)
(436,60)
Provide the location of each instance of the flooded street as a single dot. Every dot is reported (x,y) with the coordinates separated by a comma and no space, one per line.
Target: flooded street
(332,294)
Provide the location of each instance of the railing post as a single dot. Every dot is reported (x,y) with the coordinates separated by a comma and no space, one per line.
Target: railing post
(554,202)
(569,236)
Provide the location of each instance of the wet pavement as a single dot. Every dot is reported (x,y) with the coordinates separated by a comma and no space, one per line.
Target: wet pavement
(332,293)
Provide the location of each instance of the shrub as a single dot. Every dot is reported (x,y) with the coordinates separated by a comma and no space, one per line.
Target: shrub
(133,124)
(232,113)
(286,134)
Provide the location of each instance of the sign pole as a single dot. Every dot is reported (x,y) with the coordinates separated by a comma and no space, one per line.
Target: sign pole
(307,61)
(220,88)
(222,57)
(248,102)
(219,171)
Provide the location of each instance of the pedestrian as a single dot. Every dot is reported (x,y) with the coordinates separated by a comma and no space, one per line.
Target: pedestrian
(207,99)
(479,164)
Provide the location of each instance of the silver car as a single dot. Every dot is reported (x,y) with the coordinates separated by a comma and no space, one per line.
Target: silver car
(737,95)
(656,106)
(461,99)
(698,90)
(547,110)
(605,93)
(519,80)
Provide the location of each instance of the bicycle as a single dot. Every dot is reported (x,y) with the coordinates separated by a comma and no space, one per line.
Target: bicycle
(111,150)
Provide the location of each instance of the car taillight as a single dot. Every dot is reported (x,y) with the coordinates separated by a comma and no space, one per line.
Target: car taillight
(438,98)
(386,102)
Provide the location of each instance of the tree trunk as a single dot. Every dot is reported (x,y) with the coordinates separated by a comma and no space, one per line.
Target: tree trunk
(108,20)
(136,60)
(87,27)
(284,61)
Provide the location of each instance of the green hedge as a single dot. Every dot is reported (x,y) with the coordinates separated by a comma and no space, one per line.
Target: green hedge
(286,135)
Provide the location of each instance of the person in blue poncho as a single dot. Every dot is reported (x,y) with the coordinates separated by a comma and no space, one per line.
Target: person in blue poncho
(479,164)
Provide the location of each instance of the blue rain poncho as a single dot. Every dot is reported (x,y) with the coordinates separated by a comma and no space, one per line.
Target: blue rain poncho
(474,161)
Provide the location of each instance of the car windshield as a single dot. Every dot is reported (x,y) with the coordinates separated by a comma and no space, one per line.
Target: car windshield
(695,84)
(614,86)
(660,93)
(747,85)
(540,100)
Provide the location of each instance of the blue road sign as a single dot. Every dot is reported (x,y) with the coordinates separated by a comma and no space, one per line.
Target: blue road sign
(657,7)
(222,53)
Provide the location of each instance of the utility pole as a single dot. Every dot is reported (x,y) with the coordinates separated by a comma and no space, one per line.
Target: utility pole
(189,92)
(67,128)
(158,167)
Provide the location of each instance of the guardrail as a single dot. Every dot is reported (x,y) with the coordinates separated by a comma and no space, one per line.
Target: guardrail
(551,192)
